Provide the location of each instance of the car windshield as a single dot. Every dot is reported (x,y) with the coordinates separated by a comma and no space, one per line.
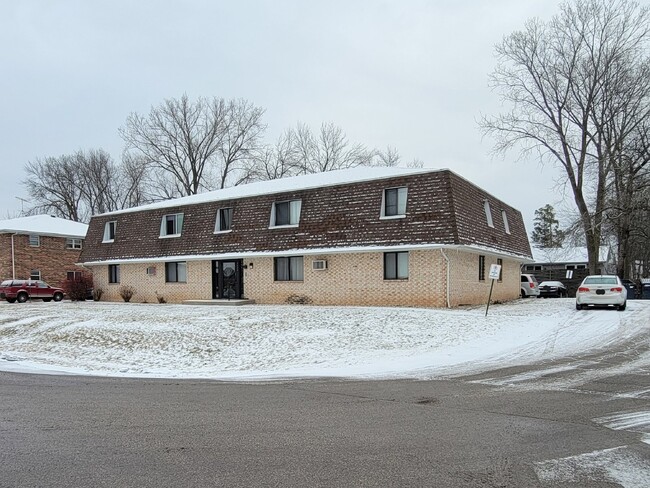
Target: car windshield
(601,280)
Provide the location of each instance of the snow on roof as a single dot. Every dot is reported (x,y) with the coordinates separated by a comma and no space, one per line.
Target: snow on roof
(294,183)
(567,254)
(44,225)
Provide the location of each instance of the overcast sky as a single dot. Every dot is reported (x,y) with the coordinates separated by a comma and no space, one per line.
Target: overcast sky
(409,74)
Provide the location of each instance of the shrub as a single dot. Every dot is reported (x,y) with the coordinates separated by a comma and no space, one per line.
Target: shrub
(126,292)
(161,299)
(97,294)
(296,299)
(78,289)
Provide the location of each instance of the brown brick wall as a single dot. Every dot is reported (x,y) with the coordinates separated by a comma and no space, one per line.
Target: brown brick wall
(350,279)
(51,258)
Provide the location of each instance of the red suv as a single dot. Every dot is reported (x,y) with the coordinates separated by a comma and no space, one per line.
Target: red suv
(22,290)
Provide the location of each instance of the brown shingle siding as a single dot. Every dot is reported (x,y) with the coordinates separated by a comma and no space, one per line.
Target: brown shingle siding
(331,217)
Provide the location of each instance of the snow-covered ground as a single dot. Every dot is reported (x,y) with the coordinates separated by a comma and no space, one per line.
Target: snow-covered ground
(257,342)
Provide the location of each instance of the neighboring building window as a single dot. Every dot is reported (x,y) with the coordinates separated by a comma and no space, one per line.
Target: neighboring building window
(394,202)
(73,275)
(481,268)
(72,243)
(506,225)
(285,213)
(176,272)
(537,268)
(109,231)
(35,274)
(171,225)
(113,273)
(488,213)
(224,220)
(34,240)
(288,268)
(500,263)
(396,265)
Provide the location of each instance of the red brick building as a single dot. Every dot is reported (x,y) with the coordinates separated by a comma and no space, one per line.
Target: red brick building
(41,247)
(364,236)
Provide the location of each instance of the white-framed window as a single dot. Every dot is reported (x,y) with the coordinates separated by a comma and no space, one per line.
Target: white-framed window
(285,214)
(176,272)
(396,265)
(73,243)
(488,213)
(506,225)
(34,240)
(109,231)
(288,268)
(393,203)
(224,220)
(35,275)
(171,225)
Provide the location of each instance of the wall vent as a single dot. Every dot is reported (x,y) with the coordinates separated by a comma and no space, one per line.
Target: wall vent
(151,271)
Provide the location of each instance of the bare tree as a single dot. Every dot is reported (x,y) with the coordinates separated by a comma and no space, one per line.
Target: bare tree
(76,186)
(196,145)
(559,77)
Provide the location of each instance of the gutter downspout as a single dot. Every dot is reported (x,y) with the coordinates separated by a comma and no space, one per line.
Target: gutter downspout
(13,258)
(442,251)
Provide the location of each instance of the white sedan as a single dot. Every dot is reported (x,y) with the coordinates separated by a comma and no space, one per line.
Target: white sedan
(601,290)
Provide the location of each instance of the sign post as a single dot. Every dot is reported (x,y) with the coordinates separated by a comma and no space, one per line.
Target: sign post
(495,272)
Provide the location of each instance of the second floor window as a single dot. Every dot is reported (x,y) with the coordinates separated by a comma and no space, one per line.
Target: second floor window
(109,231)
(488,213)
(171,225)
(285,213)
(394,202)
(72,243)
(224,220)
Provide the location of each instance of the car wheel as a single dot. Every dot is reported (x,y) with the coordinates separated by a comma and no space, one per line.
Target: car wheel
(622,307)
(58,296)
(578,306)
(11,300)
(47,299)
(22,297)
(523,294)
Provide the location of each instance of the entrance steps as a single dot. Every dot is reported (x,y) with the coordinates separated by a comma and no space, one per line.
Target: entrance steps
(220,301)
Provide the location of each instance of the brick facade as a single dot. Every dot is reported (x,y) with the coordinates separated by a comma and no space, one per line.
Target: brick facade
(51,258)
(350,279)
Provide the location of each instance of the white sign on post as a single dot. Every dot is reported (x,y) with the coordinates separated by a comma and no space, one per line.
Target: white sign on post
(495,271)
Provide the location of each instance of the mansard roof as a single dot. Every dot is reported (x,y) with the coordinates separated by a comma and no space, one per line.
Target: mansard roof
(340,210)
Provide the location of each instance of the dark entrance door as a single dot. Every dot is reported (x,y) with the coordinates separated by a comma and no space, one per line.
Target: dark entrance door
(227,279)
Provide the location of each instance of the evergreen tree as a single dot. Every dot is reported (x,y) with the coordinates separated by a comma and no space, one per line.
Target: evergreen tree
(546,229)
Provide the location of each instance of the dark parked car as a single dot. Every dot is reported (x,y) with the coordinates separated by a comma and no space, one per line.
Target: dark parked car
(549,289)
(631,288)
(23,290)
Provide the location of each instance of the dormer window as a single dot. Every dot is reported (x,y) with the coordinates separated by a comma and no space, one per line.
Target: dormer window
(109,231)
(488,213)
(171,225)
(224,220)
(506,226)
(394,203)
(285,214)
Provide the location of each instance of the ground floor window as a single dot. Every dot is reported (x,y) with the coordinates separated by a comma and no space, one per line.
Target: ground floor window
(500,263)
(481,268)
(396,265)
(73,275)
(113,273)
(35,274)
(176,272)
(288,268)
